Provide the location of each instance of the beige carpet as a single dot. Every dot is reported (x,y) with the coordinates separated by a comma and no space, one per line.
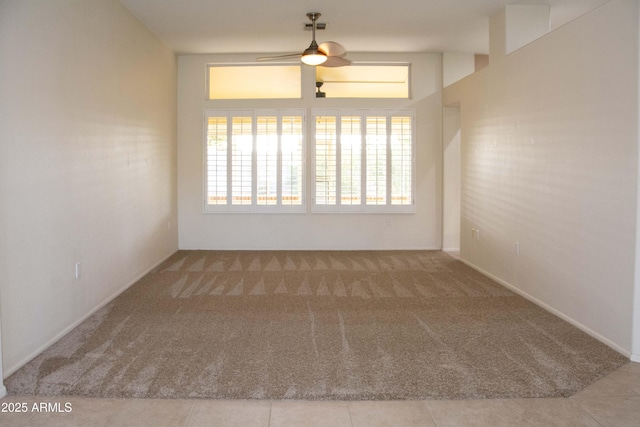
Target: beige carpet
(318,325)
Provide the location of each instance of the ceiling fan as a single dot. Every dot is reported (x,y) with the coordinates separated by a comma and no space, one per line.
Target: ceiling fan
(327,54)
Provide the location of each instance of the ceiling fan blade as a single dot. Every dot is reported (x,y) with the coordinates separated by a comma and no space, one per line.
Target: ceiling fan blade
(274,57)
(335,61)
(332,49)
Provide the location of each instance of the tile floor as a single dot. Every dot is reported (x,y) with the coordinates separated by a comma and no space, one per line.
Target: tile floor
(612,401)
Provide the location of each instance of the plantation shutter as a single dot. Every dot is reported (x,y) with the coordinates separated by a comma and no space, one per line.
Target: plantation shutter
(325,160)
(217,161)
(241,160)
(376,158)
(292,160)
(267,160)
(254,161)
(364,161)
(350,160)
(401,161)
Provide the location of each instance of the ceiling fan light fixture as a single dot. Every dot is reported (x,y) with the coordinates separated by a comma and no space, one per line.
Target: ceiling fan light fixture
(312,56)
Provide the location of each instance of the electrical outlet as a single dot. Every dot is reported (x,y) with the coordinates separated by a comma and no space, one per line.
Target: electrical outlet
(517,246)
(78,270)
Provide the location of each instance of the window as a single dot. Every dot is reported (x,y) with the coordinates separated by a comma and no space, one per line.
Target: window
(363,161)
(364,81)
(244,81)
(254,161)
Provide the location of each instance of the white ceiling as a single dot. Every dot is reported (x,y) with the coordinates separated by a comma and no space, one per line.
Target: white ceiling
(277,26)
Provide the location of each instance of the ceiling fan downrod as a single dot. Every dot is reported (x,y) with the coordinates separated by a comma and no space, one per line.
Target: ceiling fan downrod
(312,55)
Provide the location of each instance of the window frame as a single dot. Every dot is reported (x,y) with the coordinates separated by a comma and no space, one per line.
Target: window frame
(254,207)
(363,207)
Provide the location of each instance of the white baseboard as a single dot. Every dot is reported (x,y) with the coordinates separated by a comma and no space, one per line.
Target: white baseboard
(554,311)
(635,358)
(3,391)
(68,329)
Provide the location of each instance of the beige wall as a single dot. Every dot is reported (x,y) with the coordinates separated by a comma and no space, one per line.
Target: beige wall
(311,231)
(87,163)
(451,179)
(549,160)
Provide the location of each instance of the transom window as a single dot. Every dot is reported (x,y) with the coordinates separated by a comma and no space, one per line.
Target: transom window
(365,81)
(364,161)
(247,81)
(254,161)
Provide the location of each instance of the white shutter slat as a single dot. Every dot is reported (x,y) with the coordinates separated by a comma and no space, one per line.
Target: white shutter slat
(216,161)
(401,160)
(267,160)
(241,160)
(292,160)
(376,158)
(325,160)
(350,160)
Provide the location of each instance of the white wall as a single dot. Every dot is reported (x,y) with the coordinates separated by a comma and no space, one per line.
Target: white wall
(310,231)
(549,160)
(525,23)
(457,65)
(87,163)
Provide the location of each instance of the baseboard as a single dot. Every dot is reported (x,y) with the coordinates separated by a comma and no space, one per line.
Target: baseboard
(635,358)
(554,311)
(327,249)
(68,329)
(3,391)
